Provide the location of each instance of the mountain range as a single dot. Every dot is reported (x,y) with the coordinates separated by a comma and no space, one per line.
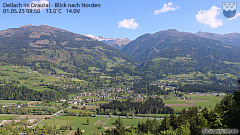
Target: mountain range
(44,48)
(232,39)
(118,43)
(172,43)
(152,56)
(172,52)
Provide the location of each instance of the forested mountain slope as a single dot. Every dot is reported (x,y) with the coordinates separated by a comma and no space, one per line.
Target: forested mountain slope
(43,47)
(172,44)
(172,52)
(232,39)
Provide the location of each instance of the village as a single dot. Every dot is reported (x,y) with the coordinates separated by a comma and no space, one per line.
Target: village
(106,95)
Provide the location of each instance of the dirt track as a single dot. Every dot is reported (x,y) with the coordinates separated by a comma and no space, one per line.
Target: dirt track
(34,102)
(24,116)
(72,132)
(114,127)
(100,122)
(187,104)
(192,100)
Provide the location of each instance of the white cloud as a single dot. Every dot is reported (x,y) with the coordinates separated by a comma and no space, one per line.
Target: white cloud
(41,2)
(128,23)
(166,8)
(235,17)
(209,17)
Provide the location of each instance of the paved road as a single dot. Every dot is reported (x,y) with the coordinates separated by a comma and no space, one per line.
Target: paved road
(3,122)
(51,116)
(58,112)
(35,124)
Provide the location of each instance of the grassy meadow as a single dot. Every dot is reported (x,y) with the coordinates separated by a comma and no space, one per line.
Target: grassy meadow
(208,101)
(96,124)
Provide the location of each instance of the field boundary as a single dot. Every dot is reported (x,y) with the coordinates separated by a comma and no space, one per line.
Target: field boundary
(187,104)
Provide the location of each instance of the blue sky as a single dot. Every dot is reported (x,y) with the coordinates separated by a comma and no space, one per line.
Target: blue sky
(130,18)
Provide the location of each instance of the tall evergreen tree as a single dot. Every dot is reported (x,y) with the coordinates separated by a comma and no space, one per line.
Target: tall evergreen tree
(78,132)
(183,129)
(236,109)
(165,125)
(120,129)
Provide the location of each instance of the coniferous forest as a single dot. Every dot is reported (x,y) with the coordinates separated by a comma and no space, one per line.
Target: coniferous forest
(150,106)
(226,115)
(12,92)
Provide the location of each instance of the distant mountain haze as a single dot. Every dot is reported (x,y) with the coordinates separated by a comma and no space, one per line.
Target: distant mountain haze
(118,43)
(232,39)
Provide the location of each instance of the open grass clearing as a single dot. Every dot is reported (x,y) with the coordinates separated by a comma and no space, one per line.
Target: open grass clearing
(101,121)
(193,100)
(208,101)
(126,122)
(187,104)
(154,115)
(76,121)
(95,123)
(53,122)
(6,102)
(8,117)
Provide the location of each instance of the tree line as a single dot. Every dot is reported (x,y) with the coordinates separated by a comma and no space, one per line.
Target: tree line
(13,92)
(151,105)
(27,111)
(225,115)
(206,88)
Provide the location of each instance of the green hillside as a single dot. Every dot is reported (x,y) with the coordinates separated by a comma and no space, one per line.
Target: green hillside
(170,52)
